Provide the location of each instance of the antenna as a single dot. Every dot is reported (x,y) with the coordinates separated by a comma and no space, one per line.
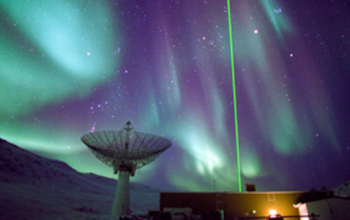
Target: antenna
(125,150)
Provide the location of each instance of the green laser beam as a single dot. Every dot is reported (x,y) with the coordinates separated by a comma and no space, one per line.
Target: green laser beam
(234,95)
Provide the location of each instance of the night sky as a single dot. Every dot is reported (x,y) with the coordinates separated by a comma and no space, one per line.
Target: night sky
(72,67)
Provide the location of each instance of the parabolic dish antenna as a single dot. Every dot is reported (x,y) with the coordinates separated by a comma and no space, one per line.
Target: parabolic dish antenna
(125,150)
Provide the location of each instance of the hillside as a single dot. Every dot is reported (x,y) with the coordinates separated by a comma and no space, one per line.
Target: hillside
(34,187)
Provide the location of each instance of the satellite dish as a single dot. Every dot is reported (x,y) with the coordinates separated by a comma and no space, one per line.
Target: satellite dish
(125,150)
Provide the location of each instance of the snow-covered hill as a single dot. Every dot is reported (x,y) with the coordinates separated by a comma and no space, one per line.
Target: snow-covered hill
(34,187)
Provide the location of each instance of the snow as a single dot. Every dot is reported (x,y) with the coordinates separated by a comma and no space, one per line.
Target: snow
(343,190)
(35,187)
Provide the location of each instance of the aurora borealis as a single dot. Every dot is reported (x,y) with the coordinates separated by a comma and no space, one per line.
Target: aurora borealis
(71,67)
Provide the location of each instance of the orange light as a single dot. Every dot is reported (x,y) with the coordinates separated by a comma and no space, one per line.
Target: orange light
(273,213)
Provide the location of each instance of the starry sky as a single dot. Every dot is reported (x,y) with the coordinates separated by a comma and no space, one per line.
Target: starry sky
(68,68)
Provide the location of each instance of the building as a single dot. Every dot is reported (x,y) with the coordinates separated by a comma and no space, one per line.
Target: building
(247,205)
(331,208)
